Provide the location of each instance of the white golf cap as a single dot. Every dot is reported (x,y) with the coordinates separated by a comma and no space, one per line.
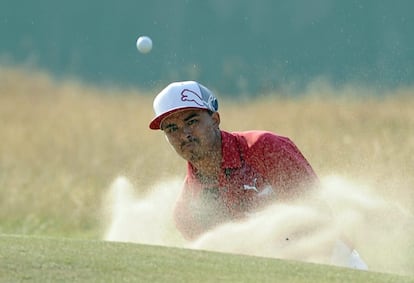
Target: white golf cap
(180,96)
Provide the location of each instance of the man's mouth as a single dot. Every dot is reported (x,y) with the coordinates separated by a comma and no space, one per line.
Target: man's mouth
(188,145)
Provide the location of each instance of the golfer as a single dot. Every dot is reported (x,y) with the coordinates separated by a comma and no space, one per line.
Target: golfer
(229,175)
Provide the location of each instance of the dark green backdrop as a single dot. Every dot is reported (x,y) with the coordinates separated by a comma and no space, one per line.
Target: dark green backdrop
(233,46)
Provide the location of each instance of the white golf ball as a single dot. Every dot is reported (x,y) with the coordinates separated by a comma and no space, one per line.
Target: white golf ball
(144,44)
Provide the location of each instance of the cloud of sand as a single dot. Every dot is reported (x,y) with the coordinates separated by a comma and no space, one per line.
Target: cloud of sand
(381,230)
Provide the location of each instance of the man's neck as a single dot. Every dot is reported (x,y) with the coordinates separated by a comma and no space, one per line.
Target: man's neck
(208,169)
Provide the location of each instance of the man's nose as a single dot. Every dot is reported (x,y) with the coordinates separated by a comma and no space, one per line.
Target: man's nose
(186,132)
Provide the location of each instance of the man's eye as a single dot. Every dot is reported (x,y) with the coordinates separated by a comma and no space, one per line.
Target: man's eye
(192,122)
(171,129)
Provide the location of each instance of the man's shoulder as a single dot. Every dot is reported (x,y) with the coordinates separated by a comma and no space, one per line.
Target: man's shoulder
(260,138)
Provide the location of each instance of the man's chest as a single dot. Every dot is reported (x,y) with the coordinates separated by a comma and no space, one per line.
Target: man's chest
(243,189)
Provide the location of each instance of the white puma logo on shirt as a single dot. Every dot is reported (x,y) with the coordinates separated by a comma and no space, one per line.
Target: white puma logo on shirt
(265,192)
(248,187)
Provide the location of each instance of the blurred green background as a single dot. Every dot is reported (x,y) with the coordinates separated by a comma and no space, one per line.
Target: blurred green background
(234,46)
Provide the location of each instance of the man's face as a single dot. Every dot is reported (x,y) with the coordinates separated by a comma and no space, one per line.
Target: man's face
(192,133)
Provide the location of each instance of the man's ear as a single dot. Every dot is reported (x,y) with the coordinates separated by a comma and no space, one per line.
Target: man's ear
(216,118)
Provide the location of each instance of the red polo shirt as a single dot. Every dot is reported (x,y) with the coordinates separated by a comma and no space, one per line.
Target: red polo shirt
(258,167)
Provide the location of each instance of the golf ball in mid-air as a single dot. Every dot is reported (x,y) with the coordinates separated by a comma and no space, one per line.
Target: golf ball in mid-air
(144,44)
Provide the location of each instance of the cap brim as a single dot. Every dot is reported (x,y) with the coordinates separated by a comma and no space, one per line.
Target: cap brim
(156,122)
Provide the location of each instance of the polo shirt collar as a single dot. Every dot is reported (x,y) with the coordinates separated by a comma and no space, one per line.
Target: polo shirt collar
(230,151)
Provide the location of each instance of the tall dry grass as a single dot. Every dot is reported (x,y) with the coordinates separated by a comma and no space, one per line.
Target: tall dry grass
(63,143)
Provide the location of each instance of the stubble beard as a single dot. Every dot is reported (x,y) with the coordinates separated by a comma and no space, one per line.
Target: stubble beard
(200,152)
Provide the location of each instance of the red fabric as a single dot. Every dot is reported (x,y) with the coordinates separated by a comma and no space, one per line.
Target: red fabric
(258,168)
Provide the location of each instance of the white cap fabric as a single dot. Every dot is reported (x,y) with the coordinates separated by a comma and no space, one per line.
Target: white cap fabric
(178,96)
